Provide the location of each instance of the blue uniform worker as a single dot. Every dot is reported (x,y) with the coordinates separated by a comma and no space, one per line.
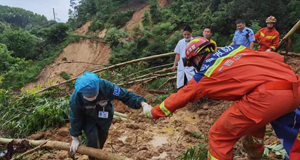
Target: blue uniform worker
(243,35)
(91,109)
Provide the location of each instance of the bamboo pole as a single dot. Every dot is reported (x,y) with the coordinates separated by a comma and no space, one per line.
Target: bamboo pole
(93,152)
(150,74)
(170,79)
(290,33)
(145,70)
(112,67)
(157,91)
(149,78)
(120,114)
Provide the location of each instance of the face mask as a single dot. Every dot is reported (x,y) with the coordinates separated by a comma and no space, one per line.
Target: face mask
(187,39)
(91,98)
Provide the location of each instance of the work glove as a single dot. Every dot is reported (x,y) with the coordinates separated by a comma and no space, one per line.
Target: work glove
(74,146)
(268,50)
(147,110)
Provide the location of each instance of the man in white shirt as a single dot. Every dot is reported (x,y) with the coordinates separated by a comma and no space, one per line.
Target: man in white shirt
(184,74)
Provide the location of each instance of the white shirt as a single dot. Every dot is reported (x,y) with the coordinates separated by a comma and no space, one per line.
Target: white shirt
(181,70)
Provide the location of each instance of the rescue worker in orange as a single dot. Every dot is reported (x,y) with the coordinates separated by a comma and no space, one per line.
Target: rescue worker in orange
(262,86)
(268,37)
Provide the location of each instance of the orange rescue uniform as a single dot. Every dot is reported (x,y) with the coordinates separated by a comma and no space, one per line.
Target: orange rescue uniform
(263,87)
(267,39)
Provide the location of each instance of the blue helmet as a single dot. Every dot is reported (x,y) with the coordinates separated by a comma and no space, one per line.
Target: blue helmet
(87,84)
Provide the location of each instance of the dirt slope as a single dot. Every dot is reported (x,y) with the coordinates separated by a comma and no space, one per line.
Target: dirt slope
(136,19)
(84,28)
(75,59)
(138,15)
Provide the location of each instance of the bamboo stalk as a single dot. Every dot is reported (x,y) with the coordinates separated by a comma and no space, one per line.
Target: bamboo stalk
(150,74)
(149,78)
(146,70)
(120,114)
(93,152)
(157,91)
(170,79)
(290,33)
(111,67)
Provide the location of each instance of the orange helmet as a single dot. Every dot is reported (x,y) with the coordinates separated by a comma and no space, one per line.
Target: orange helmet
(271,19)
(198,45)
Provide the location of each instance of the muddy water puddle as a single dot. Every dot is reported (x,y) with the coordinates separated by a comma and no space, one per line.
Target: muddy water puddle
(158,141)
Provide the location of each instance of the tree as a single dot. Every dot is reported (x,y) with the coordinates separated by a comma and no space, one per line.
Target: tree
(22,43)
(57,33)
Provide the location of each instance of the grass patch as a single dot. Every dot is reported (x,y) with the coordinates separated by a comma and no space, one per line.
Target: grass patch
(65,75)
(198,152)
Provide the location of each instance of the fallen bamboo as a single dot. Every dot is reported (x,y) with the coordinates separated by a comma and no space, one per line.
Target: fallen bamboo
(120,114)
(112,67)
(170,79)
(97,153)
(290,33)
(157,91)
(145,79)
(165,65)
(151,74)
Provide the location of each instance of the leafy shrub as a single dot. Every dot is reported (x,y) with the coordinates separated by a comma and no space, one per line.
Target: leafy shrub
(113,35)
(22,43)
(31,113)
(97,24)
(64,75)
(57,33)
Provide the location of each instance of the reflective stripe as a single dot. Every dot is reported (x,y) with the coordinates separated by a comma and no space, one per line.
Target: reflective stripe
(271,37)
(211,69)
(164,109)
(211,157)
(273,47)
(257,140)
(262,34)
(148,114)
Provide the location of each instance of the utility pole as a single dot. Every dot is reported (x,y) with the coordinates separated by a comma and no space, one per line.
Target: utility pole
(54,14)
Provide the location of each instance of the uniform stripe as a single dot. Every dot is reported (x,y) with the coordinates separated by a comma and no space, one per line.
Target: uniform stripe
(148,114)
(257,140)
(271,37)
(262,34)
(211,157)
(164,109)
(211,69)
(273,47)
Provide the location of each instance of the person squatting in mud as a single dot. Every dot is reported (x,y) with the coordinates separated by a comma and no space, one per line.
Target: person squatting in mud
(91,109)
(263,87)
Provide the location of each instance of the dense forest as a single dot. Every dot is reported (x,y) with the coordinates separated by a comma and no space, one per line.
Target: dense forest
(29,42)
(162,26)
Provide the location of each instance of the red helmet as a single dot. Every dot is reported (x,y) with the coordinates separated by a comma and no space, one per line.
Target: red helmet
(271,19)
(197,46)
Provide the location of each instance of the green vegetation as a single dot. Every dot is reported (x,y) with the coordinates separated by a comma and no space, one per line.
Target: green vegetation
(197,152)
(160,23)
(119,19)
(64,75)
(27,113)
